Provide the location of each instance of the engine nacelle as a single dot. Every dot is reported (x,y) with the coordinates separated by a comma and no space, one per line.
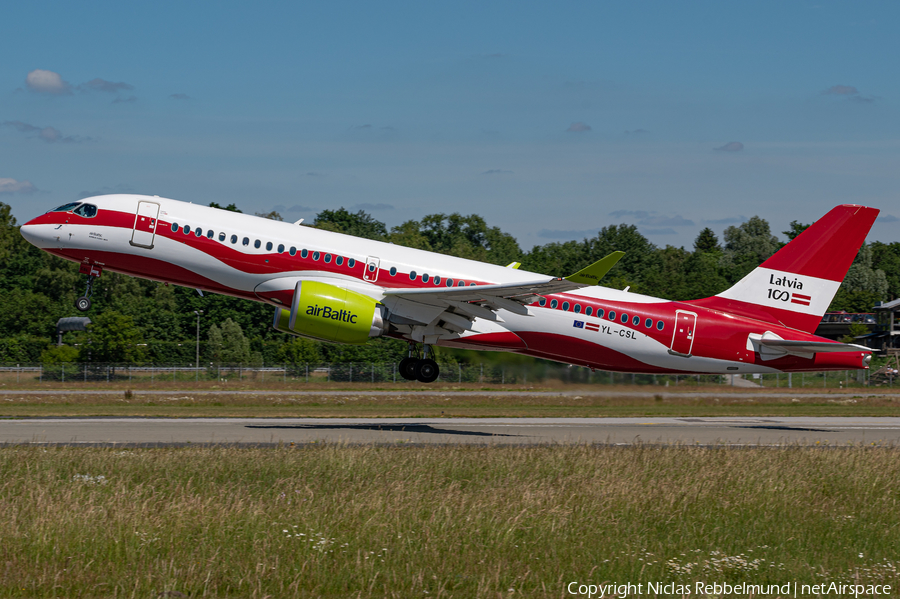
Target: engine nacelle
(330,313)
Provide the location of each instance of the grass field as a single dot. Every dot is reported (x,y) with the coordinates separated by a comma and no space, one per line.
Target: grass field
(362,400)
(339,521)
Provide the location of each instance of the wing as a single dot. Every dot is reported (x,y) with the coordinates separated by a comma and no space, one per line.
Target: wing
(448,312)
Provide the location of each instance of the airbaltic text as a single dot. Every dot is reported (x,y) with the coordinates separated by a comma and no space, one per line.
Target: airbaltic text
(327,312)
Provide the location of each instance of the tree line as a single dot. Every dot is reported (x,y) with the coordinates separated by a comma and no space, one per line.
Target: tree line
(135,320)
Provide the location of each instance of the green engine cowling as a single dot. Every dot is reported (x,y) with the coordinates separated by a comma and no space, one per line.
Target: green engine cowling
(330,313)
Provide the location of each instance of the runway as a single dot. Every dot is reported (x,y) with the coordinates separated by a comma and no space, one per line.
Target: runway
(487,431)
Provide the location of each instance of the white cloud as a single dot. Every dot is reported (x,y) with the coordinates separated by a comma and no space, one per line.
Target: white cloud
(11,186)
(47,134)
(370,207)
(102,85)
(732,146)
(841,90)
(47,82)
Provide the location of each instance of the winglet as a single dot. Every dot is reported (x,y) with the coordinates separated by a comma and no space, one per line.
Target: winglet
(591,275)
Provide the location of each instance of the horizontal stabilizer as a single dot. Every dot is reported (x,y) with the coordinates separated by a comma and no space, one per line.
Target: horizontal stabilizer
(770,347)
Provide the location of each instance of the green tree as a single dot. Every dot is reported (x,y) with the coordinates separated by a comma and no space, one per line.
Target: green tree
(113,337)
(886,258)
(273,215)
(229,207)
(299,350)
(227,344)
(456,235)
(707,241)
(58,354)
(747,246)
(359,224)
(794,229)
(863,286)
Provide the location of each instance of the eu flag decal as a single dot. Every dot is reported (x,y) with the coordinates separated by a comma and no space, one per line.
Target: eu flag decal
(579,324)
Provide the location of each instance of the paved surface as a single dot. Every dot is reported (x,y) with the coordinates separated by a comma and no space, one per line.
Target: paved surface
(495,431)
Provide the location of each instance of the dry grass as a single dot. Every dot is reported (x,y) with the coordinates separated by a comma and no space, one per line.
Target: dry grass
(359,401)
(336,521)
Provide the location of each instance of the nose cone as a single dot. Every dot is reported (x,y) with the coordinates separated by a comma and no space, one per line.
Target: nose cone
(35,233)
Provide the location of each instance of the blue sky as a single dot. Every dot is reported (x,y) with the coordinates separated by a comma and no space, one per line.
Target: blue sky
(551,120)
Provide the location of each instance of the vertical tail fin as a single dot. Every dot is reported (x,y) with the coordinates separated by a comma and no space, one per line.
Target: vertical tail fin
(796,285)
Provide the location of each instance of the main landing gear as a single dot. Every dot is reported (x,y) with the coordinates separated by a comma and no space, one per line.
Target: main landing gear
(424,370)
(83,303)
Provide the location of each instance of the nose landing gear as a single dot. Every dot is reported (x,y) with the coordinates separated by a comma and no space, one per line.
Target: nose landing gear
(424,370)
(83,303)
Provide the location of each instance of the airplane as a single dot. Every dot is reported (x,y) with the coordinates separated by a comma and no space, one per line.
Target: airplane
(338,288)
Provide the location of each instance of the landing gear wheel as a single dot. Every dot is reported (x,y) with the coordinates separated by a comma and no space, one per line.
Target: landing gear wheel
(427,371)
(83,303)
(407,368)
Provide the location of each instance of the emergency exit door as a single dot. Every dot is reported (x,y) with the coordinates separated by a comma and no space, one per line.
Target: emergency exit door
(685,330)
(145,225)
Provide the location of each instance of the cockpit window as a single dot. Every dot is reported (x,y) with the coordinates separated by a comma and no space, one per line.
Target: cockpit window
(86,211)
(67,207)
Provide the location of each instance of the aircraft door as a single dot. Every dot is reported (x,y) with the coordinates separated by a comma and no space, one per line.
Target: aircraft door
(371,273)
(145,225)
(685,330)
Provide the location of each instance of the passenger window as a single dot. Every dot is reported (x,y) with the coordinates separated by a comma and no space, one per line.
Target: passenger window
(257,243)
(612,315)
(471,284)
(393,271)
(280,248)
(293,251)
(327,258)
(340,260)
(648,323)
(577,308)
(425,277)
(351,263)
(315,256)
(461,284)
(636,321)
(234,239)
(437,280)
(221,236)
(412,275)
(303,253)
(659,325)
(599,312)
(542,301)
(624,318)
(449,282)
(588,311)
(210,234)
(553,303)
(565,306)
(268,246)
(198,232)
(186,230)
(246,241)
(174,227)
(371,268)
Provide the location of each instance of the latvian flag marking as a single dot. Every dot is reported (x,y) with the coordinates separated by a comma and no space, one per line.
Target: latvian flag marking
(803,300)
(592,327)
